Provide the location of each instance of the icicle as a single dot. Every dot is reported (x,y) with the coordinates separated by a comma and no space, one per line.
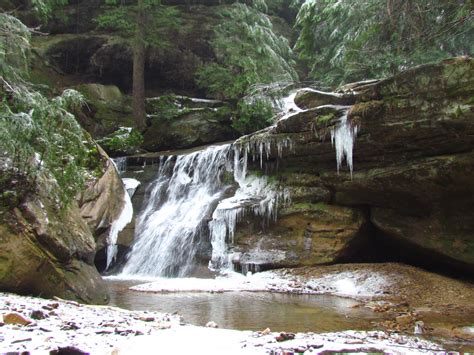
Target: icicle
(342,138)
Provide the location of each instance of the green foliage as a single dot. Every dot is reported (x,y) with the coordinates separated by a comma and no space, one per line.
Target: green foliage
(122,19)
(122,140)
(38,136)
(45,8)
(346,41)
(165,107)
(252,116)
(247,52)
(14,47)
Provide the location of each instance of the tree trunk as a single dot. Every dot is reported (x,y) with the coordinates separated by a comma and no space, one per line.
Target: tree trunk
(138,94)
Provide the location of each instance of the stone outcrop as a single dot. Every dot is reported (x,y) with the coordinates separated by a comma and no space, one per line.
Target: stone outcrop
(412,183)
(102,203)
(49,251)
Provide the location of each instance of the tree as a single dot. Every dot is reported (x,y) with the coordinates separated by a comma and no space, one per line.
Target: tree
(346,41)
(38,135)
(138,24)
(139,53)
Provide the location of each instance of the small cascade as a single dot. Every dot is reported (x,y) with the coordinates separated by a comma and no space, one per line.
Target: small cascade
(173,224)
(343,137)
(126,215)
(288,107)
(117,226)
(120,164)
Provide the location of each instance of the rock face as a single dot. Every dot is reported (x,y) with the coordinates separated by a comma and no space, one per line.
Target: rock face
(102,203)
(412,185)
(48,252)
(305,234)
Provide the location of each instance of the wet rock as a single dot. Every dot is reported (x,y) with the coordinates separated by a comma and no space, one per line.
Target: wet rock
(147,319)
(313,98)
(304,234)
(405,319)
(68,350)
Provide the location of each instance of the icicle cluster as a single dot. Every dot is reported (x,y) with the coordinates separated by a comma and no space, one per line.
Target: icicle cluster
(343,137)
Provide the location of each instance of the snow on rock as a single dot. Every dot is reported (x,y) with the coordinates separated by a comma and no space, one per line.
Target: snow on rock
(210,341)
(131,185)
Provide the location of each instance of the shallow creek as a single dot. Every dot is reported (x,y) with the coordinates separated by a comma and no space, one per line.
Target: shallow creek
(251,310)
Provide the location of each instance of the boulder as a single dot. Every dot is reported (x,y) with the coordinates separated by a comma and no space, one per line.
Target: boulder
(193,127)
(101,204)
(49,252)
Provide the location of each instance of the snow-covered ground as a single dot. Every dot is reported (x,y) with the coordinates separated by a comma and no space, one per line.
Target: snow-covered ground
(107,330)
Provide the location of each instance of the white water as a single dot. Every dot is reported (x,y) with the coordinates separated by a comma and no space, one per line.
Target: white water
(172,227)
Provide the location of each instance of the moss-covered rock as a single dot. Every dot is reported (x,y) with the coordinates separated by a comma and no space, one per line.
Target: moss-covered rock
(190,128)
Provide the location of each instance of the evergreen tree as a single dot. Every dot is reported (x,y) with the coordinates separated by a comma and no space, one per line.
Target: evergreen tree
(344,40)
(138,24)
(38,135)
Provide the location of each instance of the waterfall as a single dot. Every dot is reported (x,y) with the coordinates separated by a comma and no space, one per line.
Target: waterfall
(173,224)
(187,206)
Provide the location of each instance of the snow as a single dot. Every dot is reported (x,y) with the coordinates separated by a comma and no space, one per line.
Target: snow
(353,284)
(111,330)
(131,185)
(197,340)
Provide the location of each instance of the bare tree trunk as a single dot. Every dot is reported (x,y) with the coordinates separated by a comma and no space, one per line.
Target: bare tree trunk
(138,94)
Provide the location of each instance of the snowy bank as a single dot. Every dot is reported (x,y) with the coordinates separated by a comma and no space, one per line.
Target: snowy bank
(39,326)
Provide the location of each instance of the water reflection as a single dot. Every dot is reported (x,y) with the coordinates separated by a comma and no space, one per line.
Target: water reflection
(251,311)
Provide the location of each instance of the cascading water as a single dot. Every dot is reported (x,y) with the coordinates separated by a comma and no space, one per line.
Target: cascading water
(174,222)
(180,211)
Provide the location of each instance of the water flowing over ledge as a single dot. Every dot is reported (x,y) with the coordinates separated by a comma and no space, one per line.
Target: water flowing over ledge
(199,198)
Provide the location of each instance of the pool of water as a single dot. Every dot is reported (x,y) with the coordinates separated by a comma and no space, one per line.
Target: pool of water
(250,310)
